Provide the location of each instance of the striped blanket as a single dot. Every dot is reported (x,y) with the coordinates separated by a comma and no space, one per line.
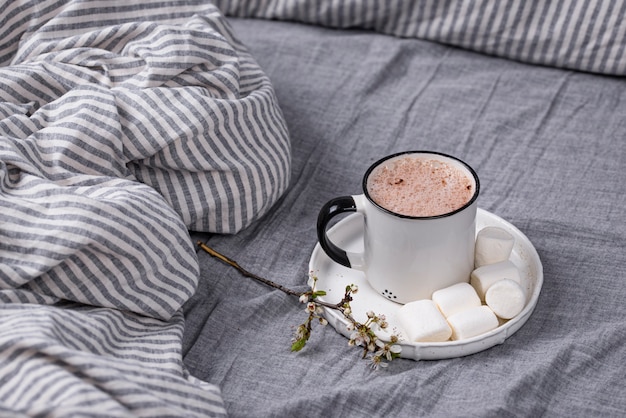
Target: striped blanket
(572,34)
(122,127)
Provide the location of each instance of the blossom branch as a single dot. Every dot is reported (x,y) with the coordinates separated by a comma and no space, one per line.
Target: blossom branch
(363,334)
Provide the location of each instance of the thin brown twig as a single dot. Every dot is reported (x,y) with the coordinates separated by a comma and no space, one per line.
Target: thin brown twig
(263,280)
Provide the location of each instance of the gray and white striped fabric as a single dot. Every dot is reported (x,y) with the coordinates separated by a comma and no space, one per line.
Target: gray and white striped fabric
(79,361)
(574,34)
(122,126)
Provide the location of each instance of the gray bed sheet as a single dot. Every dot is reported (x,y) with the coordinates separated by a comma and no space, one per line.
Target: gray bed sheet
(549,147)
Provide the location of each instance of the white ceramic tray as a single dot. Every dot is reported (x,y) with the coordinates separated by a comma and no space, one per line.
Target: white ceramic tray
(333,278)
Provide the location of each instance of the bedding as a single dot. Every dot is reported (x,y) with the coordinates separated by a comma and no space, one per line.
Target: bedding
(122,128)
(548,145)
(130,132)
(566,34)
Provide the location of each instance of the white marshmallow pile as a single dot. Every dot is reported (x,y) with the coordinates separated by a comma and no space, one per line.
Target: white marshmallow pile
(465,310)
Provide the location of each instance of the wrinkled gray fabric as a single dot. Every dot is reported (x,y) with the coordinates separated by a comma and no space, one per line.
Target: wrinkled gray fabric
(548,145)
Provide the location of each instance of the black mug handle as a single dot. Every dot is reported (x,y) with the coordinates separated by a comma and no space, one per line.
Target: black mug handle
(331,209)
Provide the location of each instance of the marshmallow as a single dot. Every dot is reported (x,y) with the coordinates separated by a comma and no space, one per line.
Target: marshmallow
(472,322)
(455,298)
(493,245)
(506,298)
(484,277)
(423,322)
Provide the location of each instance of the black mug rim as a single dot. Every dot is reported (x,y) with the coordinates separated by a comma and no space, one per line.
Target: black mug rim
(443,215)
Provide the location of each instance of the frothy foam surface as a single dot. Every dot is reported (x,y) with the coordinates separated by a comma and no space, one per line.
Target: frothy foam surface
(419,187)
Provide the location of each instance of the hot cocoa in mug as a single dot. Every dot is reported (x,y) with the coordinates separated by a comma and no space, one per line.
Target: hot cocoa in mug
(419,213)
(419,187)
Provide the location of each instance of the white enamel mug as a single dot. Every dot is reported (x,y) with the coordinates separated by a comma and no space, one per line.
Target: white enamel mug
(407,258)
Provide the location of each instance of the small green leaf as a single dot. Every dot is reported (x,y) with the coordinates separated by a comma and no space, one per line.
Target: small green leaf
(319,293)
(298,345)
